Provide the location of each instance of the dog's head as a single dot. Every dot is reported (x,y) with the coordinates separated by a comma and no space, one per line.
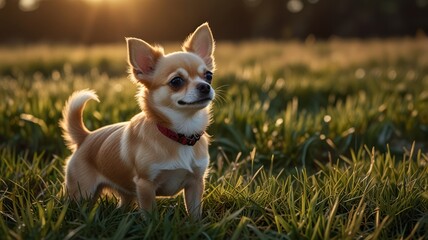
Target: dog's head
(179,81)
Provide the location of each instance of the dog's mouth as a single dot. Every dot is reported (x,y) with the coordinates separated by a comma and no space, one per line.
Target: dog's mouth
(201,101)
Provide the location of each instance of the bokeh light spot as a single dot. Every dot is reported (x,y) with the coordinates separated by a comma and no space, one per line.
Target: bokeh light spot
(294,6)
(28,5)
(327,118)
(360,73)
(422,3)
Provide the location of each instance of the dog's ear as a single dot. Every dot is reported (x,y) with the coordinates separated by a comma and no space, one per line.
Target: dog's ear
(201,42)
(142,58)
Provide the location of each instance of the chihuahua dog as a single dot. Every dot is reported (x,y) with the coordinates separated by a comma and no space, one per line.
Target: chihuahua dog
(160,151)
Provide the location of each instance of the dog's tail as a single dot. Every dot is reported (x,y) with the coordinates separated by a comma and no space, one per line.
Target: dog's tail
(73,129)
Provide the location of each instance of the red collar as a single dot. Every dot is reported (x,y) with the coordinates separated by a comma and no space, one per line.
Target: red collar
(179,137)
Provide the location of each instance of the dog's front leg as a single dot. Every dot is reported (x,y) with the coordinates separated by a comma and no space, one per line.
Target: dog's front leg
(146,193)
(193,195)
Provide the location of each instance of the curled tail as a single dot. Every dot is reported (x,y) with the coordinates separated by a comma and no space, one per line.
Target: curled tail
(73,129)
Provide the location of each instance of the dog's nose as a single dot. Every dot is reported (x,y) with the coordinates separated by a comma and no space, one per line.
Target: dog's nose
(203,88)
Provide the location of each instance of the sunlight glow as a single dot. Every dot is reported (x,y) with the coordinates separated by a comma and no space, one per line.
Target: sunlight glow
(28,5)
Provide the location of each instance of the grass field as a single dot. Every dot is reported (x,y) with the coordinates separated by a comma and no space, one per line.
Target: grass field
(314,140)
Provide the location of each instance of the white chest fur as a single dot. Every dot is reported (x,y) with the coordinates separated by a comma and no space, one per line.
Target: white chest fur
(171,176)
(185,160)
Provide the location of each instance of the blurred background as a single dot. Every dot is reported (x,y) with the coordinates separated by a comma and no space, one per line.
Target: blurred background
(107,21)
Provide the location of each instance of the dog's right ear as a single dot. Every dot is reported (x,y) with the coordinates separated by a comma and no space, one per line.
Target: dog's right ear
(142,58)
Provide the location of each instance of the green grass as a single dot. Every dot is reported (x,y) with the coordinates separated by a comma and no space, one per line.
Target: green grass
(322,140)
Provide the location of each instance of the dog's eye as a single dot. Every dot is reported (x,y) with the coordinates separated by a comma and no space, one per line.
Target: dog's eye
(176,82)
(209,76)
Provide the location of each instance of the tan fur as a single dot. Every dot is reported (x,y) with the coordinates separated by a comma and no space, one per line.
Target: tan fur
(75,133)
(134,158)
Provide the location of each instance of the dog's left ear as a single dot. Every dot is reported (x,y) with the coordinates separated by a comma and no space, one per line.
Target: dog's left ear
(201,42)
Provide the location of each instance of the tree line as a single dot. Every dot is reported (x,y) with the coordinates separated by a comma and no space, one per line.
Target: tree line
(166,20)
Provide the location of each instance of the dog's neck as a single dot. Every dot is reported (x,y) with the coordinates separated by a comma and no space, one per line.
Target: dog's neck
(179,137)
(185,123)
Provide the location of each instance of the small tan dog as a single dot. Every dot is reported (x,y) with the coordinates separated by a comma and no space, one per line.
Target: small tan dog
(163,149)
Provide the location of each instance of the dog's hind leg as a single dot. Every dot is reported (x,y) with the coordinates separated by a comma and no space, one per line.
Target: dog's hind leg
(81,182)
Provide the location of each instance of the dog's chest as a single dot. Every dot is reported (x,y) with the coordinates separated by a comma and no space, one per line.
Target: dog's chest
(184,159)
(170,182)
(171,175)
